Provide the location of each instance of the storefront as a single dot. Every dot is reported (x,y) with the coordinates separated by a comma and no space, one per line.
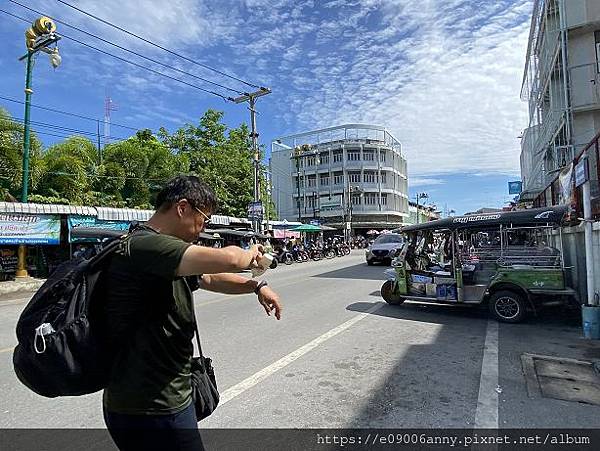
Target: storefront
(39,232)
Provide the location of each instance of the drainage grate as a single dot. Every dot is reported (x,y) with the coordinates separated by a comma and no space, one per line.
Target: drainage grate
(561,378)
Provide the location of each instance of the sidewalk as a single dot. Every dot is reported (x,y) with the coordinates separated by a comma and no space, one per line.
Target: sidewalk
(25,284)
(547,374)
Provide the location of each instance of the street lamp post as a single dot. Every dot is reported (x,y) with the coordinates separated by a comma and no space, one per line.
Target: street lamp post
(420,196)
(38,37)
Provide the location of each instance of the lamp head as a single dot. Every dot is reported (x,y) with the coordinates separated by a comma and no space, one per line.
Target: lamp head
(55,58)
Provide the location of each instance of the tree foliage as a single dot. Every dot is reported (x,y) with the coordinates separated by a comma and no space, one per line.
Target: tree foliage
(130,173)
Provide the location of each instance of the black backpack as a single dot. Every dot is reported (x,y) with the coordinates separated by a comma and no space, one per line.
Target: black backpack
(60,350)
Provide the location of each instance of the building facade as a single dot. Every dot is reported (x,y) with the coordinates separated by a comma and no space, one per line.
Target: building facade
(561,84)
(348,176)
(419,214)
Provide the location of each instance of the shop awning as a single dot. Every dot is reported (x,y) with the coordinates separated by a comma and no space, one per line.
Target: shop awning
(123,214)
(46,209)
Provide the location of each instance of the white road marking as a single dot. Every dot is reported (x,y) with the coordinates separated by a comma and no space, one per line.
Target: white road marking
(486,416)
(256,378)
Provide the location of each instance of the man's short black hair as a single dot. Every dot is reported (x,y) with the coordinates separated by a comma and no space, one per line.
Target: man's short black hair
(189,187)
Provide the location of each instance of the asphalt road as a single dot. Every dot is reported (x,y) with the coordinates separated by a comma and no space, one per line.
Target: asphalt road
(341,358)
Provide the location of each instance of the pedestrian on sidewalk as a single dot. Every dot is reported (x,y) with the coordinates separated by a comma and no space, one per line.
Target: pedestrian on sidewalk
(150,317)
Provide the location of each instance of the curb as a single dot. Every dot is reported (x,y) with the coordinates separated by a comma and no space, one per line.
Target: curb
(24,285)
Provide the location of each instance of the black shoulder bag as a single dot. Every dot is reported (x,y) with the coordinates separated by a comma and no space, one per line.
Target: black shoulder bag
(204,386)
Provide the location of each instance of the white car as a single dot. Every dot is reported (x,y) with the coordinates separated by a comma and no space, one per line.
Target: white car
(384,248)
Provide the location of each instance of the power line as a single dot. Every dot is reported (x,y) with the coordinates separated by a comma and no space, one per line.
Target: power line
(154,179)
(60,127)
(131,62)
(127,50)
(8,99)
(157,45)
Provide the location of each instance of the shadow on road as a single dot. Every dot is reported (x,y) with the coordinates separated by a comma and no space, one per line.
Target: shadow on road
(434,378)
(360,271)
(422,312)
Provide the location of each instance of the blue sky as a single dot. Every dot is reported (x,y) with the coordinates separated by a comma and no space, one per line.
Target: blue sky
(443,76)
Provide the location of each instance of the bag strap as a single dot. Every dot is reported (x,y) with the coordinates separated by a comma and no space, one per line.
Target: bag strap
(196,332)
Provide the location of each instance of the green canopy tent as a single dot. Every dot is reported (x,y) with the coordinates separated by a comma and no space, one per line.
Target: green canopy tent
(307,228)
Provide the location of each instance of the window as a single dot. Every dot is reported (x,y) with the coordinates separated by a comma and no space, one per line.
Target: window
(354,177)
(324,181)
(311,202)
(370,199)
(369,177)
(382,157)
(325,158)
(310,161)
(383,177)
(312,181)
(383,198)
(355,199)
(369,155)
(338,156)
(300,181)
(354,155)
(338,178)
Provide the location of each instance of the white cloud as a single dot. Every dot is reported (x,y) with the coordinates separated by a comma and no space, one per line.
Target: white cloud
(424,181)
(443,76)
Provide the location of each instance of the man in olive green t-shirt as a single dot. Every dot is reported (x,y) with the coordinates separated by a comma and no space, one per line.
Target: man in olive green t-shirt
(150,322)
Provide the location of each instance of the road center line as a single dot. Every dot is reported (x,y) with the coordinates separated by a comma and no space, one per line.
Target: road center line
(256,378)
(486,416)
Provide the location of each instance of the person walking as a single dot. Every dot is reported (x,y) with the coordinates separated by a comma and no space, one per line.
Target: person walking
(149,317)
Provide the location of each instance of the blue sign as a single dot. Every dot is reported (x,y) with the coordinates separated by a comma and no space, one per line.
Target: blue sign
(515,187)
(17,228)
(93,222)
(255,210)
(581,173)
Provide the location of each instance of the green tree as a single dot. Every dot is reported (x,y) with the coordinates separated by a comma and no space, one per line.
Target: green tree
(139,167)
(11,157)
(71,169)
(220,157)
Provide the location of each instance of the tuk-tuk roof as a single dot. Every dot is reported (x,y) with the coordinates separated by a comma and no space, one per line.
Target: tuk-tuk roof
(531,217)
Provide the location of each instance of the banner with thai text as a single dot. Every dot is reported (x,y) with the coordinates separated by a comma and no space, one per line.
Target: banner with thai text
(17,228)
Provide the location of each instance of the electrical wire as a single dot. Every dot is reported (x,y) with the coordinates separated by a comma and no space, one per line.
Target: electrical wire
(158,46)
(20,121)
(128,50)
(16,171)
(208,91)
(112,124)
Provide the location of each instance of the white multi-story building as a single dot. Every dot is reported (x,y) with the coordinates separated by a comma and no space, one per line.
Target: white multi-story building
(315,174)
(562,86)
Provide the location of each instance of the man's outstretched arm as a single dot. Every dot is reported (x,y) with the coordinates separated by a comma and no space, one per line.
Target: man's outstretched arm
(235,284)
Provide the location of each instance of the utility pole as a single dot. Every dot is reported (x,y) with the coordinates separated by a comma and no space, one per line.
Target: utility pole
(420,196)
(251,99)
(37,38)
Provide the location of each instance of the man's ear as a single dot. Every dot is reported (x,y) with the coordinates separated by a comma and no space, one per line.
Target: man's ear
(180,207)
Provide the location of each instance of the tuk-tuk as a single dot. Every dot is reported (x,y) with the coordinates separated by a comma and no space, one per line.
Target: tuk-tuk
(504,259)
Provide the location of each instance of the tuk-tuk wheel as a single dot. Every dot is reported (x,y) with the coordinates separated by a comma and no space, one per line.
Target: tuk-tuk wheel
(507,306)
(388,295)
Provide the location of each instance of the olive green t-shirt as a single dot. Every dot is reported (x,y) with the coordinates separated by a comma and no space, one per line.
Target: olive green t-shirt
(149,326)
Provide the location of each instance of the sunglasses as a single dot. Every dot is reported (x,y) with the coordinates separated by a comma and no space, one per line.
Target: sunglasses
(206,218)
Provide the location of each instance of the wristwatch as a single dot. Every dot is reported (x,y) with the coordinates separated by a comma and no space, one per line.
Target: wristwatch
(262,283)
